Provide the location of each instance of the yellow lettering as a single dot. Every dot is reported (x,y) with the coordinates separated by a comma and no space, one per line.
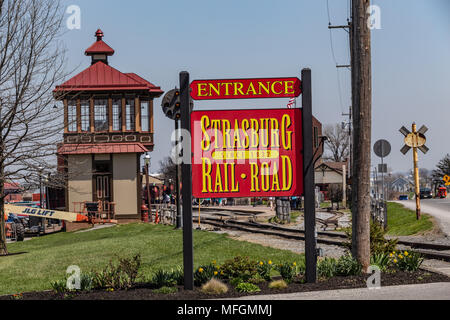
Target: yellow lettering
(254,177)
(206,175)
(286,136)
(206,140)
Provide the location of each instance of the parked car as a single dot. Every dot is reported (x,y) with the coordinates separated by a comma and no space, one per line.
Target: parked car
(403,197)
(425,193)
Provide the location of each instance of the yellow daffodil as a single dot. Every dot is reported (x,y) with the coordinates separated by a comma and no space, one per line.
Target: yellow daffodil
(294,263)
(391,255)
(270,262)
(261,263)
(400,256)
(395,260)
(406,253)
(200,270)
(215,273)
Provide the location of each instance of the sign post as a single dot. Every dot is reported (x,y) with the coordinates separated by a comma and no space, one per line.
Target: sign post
(415,140)
(186,180)
(308,180)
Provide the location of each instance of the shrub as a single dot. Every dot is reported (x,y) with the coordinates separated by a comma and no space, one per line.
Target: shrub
(326,268)
(381,260)
(118,276)
(166,290)
(264,269)
(204,273)
(86,284)
(278,284)
(287,271)
(378,243)
(59,286)
(348,266)
(163,278)
(214,286)
(239,267)
(247,287)
(407,261)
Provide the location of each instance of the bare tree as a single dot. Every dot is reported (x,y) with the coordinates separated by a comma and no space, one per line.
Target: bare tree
(31,63)
(168,168)
(338,143)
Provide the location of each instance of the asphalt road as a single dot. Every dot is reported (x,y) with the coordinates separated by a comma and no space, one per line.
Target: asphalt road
(438,208)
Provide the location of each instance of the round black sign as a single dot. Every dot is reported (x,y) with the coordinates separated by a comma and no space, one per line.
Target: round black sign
(382,148)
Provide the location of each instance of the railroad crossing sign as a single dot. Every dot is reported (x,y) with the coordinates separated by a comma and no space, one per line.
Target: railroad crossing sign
(415,140)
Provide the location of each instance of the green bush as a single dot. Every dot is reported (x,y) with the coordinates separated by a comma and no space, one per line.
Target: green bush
(326,268)
(378,243)
(86,284)
(264,269)
(166,290)
(287,271)
(205,273)
(163,278)
(247,287)
(118,276)
(407,261)
(239,267)
(348,266)
(381,260)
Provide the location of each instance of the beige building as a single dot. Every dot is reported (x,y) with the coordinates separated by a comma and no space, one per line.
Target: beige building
(108,125)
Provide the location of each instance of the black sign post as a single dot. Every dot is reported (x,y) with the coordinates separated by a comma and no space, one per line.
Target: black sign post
(308,180)
(186,180)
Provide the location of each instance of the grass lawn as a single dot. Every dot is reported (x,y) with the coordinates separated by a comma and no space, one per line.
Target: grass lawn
(47,258)
(402,221)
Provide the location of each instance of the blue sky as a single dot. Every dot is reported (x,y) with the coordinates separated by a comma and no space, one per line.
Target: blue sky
(268,38)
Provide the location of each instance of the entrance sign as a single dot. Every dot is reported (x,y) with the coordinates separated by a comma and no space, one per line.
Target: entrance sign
(245,88)
(247,153)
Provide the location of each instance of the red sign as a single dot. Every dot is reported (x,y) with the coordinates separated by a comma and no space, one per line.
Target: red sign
(245,88)
(247,153)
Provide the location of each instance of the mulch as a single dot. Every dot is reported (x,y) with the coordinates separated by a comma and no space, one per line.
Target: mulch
(145,291)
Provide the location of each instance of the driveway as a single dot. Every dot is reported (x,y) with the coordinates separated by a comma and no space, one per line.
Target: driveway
(438,208)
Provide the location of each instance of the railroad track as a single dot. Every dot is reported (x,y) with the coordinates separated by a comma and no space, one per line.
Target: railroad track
(428,250)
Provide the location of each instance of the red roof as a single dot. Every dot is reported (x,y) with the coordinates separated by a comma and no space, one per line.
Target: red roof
(99,47)
(102,148)
(102,77)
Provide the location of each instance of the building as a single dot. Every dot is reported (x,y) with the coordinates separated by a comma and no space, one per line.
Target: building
(108,125)
(401,185)
(330,172)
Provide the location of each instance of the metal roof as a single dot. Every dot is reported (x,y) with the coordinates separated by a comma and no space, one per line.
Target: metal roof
(102,148)
(102,77)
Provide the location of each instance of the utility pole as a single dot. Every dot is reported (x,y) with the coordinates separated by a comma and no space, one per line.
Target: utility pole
(350,160)
(362,114)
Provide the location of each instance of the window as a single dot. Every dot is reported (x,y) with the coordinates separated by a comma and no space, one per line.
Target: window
(145,116)
(117,114)
(101,115)
(85,125)
(129,116)
(71,115)
(316,137)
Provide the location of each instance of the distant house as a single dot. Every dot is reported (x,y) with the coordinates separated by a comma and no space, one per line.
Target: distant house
(13,192)
(329,172)
(401,185)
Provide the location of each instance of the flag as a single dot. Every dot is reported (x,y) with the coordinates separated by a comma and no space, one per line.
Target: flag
(291,103)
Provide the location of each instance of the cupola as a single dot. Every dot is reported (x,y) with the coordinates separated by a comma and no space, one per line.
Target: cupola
(99,50)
